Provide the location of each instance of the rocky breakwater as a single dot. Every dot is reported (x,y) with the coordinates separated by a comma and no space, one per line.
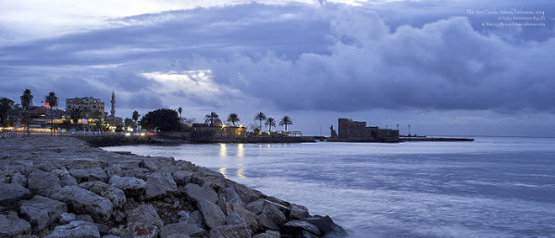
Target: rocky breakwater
(61,187)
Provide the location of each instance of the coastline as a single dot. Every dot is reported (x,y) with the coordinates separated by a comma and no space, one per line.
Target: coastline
(62,187)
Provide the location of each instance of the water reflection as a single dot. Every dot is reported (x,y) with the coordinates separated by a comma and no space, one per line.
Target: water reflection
(223,151)
(241,173)
(240,150)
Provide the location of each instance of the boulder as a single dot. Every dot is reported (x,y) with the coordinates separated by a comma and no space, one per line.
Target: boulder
(183,177)
(268,234)
(230,201)
(130,185)
(67,217)
(247,195)
(42,211)
(43,183)
(197,193)
(142,230)
(89,174)
(11,193)
(159,185)
(213,215)
(234,219)
(181,228)
(115,195)
(85,201)
(145,214)
(75,229)
(271,217)
(195,217)
(326,225)
(296,227)
(298,212)
(230,231)
(19,178)
(250,218)
(11,225)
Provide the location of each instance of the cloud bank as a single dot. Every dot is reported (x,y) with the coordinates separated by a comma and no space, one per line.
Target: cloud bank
(329,57)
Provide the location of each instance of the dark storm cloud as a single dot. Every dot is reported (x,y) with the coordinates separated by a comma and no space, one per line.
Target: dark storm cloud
(334,57)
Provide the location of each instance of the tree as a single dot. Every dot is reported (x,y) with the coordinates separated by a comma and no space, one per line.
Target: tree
(285,121)
(233,118)
(75,114)
(6,105)
(211,118)
(52,101)
(161,119)
(135,117)
(129,123)
(26,99)
(180,110)
(270,122)
(260,117)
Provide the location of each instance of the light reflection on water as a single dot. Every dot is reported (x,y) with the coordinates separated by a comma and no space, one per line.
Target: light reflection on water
(494,187)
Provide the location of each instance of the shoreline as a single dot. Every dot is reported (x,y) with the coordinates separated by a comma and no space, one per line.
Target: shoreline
(61,187)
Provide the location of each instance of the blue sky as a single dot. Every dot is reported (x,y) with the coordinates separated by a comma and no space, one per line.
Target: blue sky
(433,64)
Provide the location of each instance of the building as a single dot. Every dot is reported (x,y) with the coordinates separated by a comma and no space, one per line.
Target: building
(112,120)
(357,131)
(88,105)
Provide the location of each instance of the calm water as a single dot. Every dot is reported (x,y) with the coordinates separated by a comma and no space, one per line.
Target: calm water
(493,187)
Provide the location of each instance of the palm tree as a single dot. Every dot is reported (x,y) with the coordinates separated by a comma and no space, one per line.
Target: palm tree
(285,121)
(180,110)
(260,117)
(211,118)
(52,101)
(270,122)
(233,118)
(6,106)
(135,117)
(26,102)
(26,99)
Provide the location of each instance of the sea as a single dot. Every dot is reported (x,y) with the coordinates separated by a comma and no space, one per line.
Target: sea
(492,187)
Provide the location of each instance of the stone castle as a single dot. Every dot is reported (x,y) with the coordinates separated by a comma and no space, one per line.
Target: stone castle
(357,131)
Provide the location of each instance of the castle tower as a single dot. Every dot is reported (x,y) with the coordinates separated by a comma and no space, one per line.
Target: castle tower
(113,101)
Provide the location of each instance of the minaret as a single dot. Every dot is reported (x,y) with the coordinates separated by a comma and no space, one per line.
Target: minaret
(113,111)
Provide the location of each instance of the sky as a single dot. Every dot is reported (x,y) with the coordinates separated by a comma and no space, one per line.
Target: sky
(458,67)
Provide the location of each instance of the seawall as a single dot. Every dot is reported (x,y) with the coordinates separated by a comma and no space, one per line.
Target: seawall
(62,187)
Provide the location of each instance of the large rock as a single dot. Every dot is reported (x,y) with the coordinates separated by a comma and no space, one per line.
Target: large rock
(234,219)
(115,195)
(296,227)
(130,185)
(230,201)
(271,216)
(298,212)
(11,225)
(268,234)
(43,183)
(85,201)
(213,215)
(159,185)
(181,228)
(75,229)
(42,211)
(89,174)
(197,193)
(247,194)
(11,193)
(230,231)
(183,177)
(326,225)
(19,178)
(142,230)
(145,214)
(65,178)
